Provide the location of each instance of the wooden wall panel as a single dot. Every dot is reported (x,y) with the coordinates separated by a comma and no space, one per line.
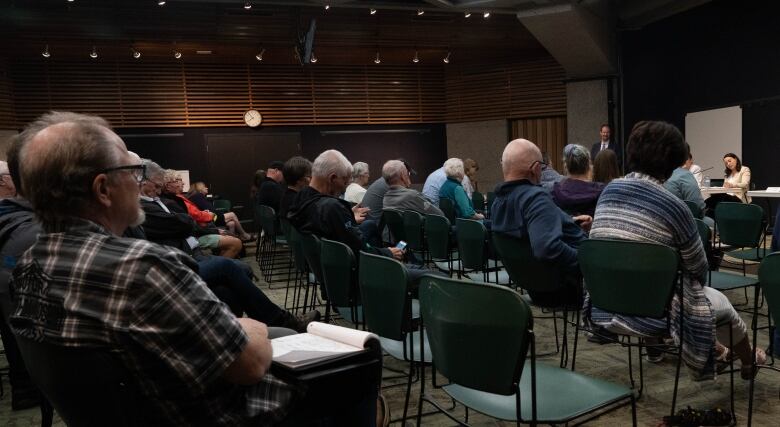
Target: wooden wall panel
(7,112)
(549,133)
(519,90)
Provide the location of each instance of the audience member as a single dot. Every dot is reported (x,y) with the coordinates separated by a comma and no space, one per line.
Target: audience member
(577,194)
(433,184)
(638,208)
(400,196)
(453,190)
(357,188)
(605,167)
(549,175)
(257,181)
(694,169)
(523,209)
(375,194)
(683,185)
(297,174)
(271,190)
(197,195)
(605,143)
(470,184)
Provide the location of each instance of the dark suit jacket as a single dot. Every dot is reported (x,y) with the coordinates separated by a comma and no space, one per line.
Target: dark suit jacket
(614,146)
(170,229)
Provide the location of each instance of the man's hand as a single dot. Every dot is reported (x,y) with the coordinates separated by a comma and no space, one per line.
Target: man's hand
(255,359)
(584,221)
(360,213)
(397,253)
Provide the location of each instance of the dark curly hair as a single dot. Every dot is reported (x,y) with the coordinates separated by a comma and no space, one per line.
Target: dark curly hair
(655,149)
(739,163)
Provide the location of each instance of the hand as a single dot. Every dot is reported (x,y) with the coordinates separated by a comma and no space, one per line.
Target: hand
(478,216)
(726,184)
(397,253)
(360,213)
(253,328)
(584,221)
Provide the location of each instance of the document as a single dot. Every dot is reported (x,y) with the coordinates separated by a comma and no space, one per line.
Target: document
(320,343)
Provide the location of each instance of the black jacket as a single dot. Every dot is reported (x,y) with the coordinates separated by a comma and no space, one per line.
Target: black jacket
(270,194)
(18,231)
(170,229)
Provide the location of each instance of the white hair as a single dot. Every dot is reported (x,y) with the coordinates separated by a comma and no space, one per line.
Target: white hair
(331,162)
(393,170)
(453,168)
(359,168)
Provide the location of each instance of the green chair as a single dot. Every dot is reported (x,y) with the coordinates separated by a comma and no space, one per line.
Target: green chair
(339,274)
(740,225)
(483,342)
(312,250)
(415,233)
(439,243)
(303,278)
(531,274)
(722,280)
(222,205)
(769,277)
(274,245)
(491,197)
(394,220)
(448,208)
(388,310)
(695,209)
(651,270)
(473,246)
(478,200)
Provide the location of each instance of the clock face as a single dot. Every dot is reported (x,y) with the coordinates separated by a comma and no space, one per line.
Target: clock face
(253,118)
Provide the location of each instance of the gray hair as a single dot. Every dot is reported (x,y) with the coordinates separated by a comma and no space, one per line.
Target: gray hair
(331,162)
(453,168)
(393,170)
(359,168)
(576,159)
(152,169)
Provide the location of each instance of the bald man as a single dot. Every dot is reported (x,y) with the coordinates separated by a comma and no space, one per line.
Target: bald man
(525,210)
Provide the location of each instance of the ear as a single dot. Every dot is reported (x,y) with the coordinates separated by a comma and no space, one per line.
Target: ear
(101,190)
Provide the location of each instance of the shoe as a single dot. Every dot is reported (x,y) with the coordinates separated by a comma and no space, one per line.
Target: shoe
(304,319)
(748,372)
(382,412)
(25,399)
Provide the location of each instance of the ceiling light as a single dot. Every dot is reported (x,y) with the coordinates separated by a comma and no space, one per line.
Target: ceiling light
(248,5)
(377,60)
(136,54)
(259,56)
(420,12)
(486,15)
(327,6)
(372,11)
(45,52)
(93,54)
(71,1)
(467,14)
(313,58)
(416,58)
(160,2)
(176,54)
(447,58)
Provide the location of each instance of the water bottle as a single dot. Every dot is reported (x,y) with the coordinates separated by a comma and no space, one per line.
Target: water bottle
(706,181)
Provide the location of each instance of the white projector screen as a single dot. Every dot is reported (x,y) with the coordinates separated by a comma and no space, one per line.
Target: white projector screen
(713,133)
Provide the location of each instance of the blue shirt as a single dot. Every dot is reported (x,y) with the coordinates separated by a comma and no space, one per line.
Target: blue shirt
(683,185)
(433,184)
(453,190)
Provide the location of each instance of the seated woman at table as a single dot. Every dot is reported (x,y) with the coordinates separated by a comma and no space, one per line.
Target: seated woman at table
(453,189)
(197,195)
(638,208)
(738,178)
(577,193)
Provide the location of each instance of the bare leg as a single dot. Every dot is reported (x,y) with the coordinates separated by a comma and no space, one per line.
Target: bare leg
(232,222)
(229,246)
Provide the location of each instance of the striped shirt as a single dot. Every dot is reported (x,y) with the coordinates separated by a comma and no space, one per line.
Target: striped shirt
(142,302)
(638,208)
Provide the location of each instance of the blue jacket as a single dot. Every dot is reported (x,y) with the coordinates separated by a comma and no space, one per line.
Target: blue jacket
(453,190)
(524,209)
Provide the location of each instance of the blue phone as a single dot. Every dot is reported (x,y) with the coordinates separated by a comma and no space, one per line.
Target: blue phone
(401,245)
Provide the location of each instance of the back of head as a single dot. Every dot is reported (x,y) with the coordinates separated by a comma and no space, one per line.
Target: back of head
(59,162)
(517,158)
(453,168)
(331,162)
(358,169)
(655,149)
(392,172)
(576,159)
(295,169)
(605,167)
(153,170)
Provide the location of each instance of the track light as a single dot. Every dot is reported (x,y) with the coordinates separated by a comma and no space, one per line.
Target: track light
(416,58)
(420,12)
(247,5)
(313,58)
(327,6)
(259,56)
(467,14)
(45,52)
(136,54)
(177,54)
(447,58)
(160,2)
(93,54)
(71,1)
(372,11)
(377,60)
(486,15)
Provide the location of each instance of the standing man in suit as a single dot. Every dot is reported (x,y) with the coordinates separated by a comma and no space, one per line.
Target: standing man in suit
(607,144)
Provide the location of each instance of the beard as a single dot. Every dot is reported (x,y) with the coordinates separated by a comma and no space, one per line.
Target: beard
(139,219)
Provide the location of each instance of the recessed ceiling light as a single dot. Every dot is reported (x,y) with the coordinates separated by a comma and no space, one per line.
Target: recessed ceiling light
(327,6)
(93,54)
(160,2)
(486,15)
(177,54)
(467,14)
(136,54)
(45,52)
(447,58)
(420,12)
(372,11)
(247,5)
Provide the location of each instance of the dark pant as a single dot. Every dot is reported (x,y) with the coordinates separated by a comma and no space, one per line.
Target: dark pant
(220,271)
(714,199)
(21,383)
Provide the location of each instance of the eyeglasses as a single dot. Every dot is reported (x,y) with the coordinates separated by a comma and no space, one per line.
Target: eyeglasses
(138,171)
(541,163)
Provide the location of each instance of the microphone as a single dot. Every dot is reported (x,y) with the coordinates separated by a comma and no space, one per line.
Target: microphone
(705,170)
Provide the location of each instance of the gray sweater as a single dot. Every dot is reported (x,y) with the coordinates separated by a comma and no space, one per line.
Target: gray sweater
(402,198)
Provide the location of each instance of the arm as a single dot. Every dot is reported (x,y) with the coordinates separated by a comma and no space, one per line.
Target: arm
(545,231)
(744,178)
(463,202)
(197,214)
(690,190)
(253,362)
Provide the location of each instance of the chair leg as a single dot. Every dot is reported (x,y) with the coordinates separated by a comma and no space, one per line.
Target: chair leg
(576,339)
(676,379)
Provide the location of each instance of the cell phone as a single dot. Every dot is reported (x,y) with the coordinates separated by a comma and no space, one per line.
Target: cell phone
(401,245)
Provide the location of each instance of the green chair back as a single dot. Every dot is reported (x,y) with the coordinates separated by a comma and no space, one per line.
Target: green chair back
(739,224)
(338,272)
(523,268)
(222,205)
(769,277)
(413,230)
(478,200)
(695,209)
(478,333)
(704,233)
(630,278)
(296,245)
(394,220)
(437,234)
(491,197)
(311,246)
(268,221)
(472,237)
(448,208)
(382,282)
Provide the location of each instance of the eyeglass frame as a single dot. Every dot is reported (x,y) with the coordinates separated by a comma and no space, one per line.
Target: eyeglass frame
(131,168)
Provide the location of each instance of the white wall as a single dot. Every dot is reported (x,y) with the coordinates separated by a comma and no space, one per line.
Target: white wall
(713,133)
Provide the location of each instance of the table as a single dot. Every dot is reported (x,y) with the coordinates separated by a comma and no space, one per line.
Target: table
(706,192)
(768,195)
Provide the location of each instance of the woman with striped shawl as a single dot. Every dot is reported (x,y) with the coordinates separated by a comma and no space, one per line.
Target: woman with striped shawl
(638,208)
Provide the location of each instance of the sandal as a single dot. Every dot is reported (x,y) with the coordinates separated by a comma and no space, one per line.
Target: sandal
(748,372)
